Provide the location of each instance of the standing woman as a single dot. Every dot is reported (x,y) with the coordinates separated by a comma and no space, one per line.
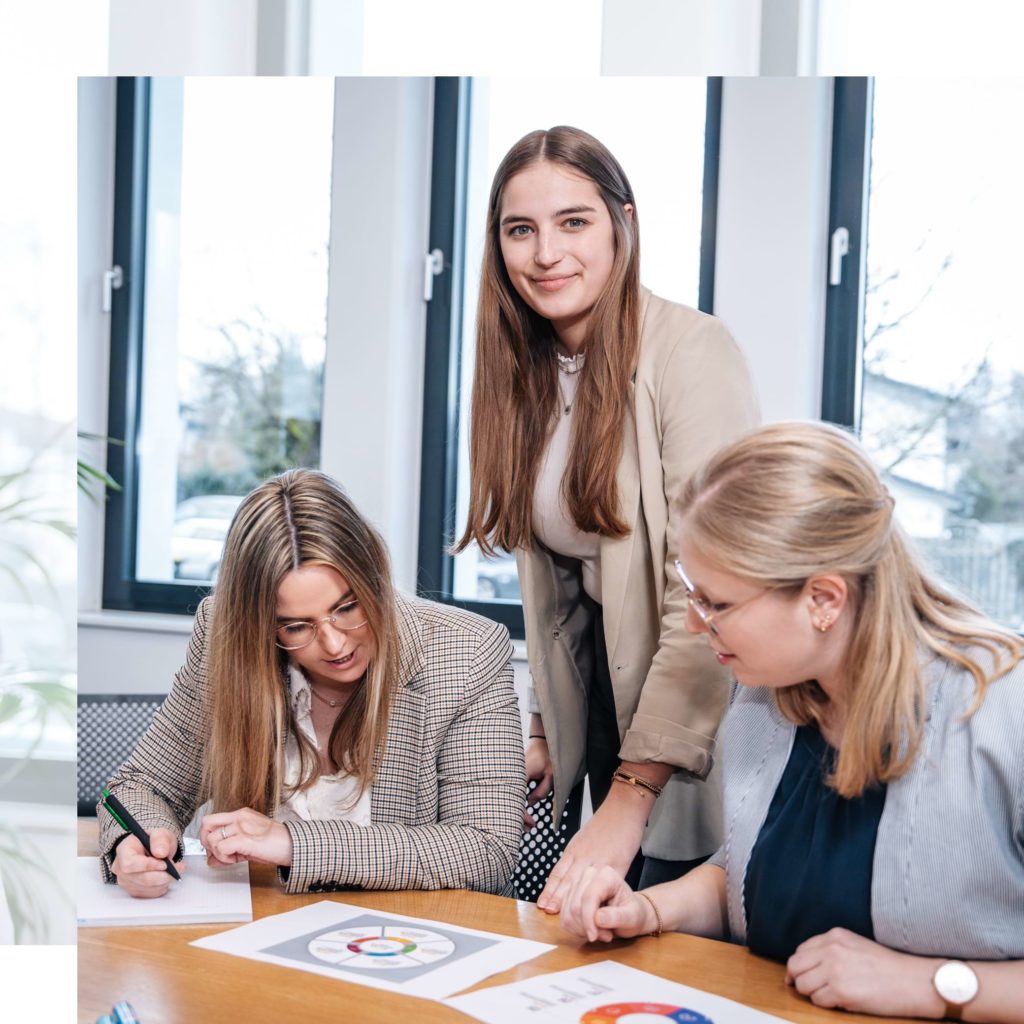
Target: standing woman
(593,401)
(345,733)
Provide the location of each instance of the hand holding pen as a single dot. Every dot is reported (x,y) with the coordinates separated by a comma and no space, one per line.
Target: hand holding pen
(142,862)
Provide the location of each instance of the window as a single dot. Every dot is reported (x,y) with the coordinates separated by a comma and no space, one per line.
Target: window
(674,177)
(222,214)
(923,343)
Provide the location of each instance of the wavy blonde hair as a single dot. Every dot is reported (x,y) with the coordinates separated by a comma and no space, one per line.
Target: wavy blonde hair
(515,381)
(296,519)
(791,501)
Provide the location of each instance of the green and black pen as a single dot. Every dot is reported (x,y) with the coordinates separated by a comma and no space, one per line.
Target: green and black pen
(122,816)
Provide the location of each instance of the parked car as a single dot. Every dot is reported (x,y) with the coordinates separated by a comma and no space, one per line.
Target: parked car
(497,579)
(200,528)
(196,546)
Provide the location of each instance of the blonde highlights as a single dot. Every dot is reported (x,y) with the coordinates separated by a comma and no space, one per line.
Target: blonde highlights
(791,501)
(515,383)
(296,519)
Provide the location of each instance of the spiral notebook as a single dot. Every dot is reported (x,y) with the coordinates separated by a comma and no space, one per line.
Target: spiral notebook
(204,895)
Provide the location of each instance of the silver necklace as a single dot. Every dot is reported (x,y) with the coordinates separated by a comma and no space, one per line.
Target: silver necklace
(569,366)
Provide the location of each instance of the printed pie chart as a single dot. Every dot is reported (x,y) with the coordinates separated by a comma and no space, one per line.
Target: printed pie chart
(643,1013)
(384,948)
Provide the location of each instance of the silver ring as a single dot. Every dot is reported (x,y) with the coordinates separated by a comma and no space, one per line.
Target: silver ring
(223,834)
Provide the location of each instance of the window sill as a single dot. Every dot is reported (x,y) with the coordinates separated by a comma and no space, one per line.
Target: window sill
(143,622)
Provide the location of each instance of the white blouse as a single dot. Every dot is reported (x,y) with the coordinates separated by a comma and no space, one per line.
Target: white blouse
(552,524)
(331,796)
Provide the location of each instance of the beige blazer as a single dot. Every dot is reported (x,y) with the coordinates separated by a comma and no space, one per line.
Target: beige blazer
(447,798)
(691,393)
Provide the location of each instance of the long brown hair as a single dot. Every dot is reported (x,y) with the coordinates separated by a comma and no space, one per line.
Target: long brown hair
(298,518)
(515,382)
(791,501)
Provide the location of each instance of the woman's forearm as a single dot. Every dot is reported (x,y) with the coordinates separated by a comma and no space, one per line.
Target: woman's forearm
(695,903)
(1000,998)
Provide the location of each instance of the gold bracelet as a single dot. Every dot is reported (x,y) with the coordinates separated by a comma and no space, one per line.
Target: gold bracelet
(632,779)
(654,907)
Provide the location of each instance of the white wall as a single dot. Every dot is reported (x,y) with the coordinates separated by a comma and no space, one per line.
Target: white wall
(376,316)
(772,234)
(681,37)
(923,37)
(770,272)
(199,37)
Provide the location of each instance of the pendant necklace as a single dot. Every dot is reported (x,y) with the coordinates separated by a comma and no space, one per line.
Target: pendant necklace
(569,366)
(326,700)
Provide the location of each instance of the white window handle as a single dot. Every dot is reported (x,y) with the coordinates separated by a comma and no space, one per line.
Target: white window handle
(112,278)
(839,248)
(433,264)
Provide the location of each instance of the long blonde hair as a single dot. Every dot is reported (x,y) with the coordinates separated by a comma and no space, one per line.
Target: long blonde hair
(515,382)
(791,501)
(296,519)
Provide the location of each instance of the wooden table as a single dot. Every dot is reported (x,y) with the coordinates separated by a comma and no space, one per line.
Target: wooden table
(168,981)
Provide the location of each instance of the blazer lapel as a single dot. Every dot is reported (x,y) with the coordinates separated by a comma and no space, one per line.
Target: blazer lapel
(617,555)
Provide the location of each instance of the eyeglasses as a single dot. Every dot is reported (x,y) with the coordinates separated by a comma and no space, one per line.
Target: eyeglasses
(700,606)
(293,636)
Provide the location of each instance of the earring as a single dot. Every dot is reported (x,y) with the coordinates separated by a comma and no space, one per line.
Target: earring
(824,624)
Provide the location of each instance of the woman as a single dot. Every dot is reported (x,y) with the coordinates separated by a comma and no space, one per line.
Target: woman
(873,755)
(593,401)
(349,735)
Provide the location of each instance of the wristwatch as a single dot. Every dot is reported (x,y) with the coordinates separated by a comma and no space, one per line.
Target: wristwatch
(957,985)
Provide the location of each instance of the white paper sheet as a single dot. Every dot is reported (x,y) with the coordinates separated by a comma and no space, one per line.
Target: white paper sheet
(603,993)
(204,895)
(410,955)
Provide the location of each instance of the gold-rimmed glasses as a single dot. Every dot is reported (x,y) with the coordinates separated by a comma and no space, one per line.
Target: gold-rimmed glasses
(700,606)
(293,636)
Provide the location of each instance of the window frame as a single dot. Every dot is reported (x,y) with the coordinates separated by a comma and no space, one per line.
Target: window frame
(852,127)
(121,590)
(853,102)
(442,364)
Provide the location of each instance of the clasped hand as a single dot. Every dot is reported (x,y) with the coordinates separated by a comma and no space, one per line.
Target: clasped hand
(600,906)
(245,834)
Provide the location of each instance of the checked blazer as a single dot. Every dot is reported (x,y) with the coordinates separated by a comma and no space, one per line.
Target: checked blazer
(447,797)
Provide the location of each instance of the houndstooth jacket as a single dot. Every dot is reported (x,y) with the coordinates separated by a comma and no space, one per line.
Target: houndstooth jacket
(446,800)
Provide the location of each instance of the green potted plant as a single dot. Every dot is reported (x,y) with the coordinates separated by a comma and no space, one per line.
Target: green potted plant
(36,692)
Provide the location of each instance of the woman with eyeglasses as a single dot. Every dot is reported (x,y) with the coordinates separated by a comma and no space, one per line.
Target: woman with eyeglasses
(593,401)
(873,753)
(345,733)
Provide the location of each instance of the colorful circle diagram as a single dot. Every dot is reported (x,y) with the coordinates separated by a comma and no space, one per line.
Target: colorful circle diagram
(382,948)
(642,1013)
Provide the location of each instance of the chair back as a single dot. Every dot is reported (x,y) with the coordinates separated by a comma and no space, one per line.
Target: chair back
(109,727)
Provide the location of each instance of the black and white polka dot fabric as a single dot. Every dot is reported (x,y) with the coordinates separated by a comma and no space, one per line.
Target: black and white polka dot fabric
(541,847)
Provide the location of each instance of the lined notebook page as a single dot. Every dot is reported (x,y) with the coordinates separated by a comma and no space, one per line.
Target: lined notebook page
(204,895)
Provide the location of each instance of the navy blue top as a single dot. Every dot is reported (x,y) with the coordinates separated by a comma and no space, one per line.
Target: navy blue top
(810,869)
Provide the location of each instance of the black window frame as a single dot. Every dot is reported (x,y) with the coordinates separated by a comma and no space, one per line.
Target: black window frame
(121,590)
(452,101)
(853,103)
